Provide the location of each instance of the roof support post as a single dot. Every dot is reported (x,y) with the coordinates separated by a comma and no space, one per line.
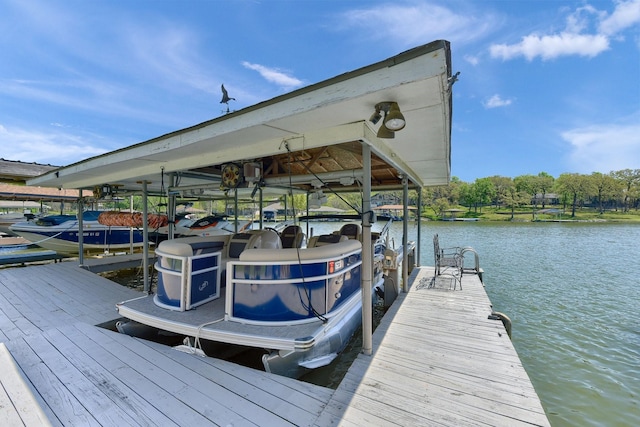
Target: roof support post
(235,210)
(419,219)
(131,237)
(261,212)
(405,246)
(145,239)
(367,256)
(80,229)
(171,206)
(285,208)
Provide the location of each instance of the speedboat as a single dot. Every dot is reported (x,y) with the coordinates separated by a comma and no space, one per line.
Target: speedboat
(299,305)
(211,225)
(60,233)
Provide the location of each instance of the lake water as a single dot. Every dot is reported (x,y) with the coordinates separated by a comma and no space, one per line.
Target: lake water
(572,291)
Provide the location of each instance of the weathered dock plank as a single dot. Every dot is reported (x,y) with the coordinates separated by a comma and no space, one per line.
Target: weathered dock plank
(18,404)
(39,297)
(438,360)
(86,375)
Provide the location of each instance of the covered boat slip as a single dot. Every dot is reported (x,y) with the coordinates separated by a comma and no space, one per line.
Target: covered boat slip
(383,126)
(319,130)
(437,360)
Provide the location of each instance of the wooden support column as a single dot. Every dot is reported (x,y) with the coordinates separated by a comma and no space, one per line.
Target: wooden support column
(80,230)
(367,255)
(145,239)
(419,219)
(405,246)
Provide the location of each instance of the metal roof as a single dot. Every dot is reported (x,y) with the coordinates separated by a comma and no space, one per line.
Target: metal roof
(11,170)
(317,130)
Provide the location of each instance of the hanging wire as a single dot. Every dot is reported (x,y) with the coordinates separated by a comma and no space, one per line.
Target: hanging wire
(307,292)
(286,145)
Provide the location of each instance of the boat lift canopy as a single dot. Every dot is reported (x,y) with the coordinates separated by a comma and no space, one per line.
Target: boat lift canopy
(318,130)
(323,136)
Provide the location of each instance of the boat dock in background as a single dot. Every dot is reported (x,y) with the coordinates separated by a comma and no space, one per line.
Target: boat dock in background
(437,360)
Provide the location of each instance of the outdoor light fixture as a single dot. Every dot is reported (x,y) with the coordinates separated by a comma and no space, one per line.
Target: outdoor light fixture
(393,119)
(384,132)
(376,116)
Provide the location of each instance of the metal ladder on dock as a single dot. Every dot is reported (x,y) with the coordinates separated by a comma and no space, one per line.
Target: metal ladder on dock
(476,267)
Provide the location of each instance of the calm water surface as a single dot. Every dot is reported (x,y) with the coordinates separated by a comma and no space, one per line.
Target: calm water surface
(572,291)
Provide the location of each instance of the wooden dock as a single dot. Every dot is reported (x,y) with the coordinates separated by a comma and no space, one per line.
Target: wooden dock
(437,360)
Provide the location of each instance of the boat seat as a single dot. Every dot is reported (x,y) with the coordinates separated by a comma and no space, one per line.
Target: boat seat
(353,231)
(326,239)
(292,237)
(289,255)
(237,244)
(253,239)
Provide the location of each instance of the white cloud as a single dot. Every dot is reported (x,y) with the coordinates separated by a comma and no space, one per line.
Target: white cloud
(496,101)
(51,147)
(604,148)
(550,47)
(419,23)
(625,15)
(274,75)
(473,60)
(578,38)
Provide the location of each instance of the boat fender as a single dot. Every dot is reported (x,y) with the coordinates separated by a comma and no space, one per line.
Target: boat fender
(496,315)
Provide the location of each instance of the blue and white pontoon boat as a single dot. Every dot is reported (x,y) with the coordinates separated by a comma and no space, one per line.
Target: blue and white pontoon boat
(60,233)
(301,305)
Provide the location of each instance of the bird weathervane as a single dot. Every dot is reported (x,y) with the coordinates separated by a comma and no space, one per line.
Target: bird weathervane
(226,98)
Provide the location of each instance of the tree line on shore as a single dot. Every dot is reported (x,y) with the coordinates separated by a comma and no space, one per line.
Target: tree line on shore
(617,190)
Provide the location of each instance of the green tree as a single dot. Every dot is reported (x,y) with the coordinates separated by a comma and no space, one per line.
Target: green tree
(440,206)
(605,186)
(543,183)
(575,185)
(513,198)
(527,184)
(346,201)
(630,179)
(502,185)
(467,195)
(485,191)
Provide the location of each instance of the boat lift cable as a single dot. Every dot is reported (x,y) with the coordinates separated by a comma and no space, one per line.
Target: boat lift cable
(286,145)
(309,307)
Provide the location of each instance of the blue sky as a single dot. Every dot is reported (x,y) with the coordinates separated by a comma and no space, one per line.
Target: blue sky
(549,86)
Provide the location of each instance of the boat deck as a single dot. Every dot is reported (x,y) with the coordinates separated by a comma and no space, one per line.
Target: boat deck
(437,360)
(207,322)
